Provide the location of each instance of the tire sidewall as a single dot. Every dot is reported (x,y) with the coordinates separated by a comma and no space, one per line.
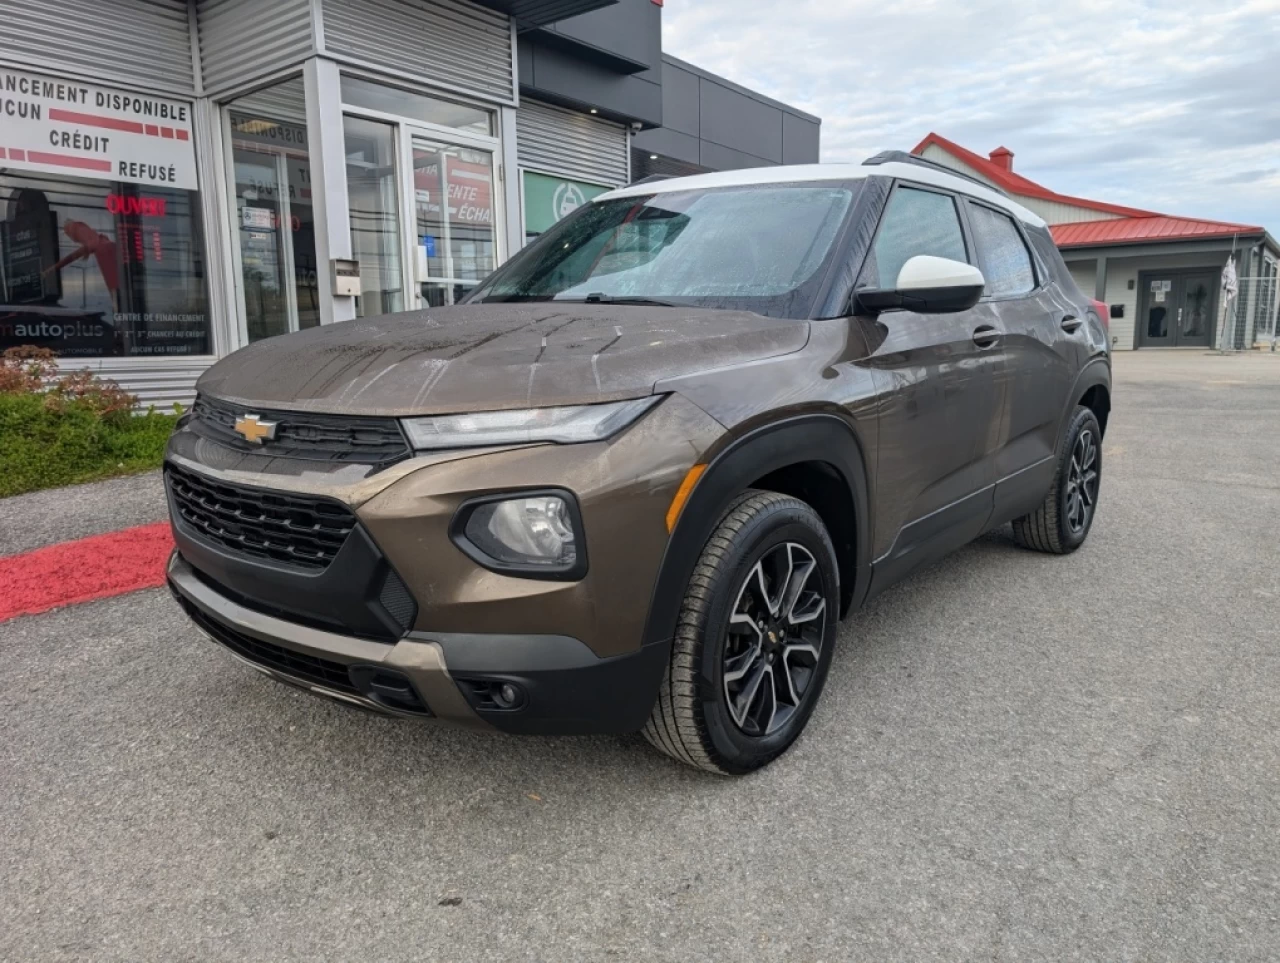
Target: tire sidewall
(737,751)
(1084,419)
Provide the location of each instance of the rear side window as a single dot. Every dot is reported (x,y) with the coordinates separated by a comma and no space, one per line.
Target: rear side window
(915,222)
(1002,254)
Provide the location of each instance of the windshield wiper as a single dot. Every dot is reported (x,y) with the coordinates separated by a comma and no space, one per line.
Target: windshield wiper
(618,299)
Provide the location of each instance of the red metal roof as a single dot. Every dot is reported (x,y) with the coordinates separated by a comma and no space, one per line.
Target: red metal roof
(1130,225)
(1016,183)
(1156,227)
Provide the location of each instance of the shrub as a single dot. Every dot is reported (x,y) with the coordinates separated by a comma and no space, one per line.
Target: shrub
(26,368)
(63,429)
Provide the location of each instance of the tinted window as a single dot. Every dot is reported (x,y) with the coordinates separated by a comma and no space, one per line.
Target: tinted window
(1002,255)
(915,222)
(761,249)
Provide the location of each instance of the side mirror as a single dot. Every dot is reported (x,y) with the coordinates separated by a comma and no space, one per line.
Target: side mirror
(929,285)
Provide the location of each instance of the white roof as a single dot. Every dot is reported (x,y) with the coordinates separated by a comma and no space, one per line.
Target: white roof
(827,172)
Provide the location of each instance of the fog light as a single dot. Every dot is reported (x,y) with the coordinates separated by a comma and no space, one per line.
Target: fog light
(507,696)
(534,531)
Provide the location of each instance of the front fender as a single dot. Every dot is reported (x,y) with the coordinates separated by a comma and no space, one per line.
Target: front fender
(825,438)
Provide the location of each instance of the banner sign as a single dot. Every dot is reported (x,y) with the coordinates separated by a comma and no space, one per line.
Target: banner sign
(56,125)
(547,199)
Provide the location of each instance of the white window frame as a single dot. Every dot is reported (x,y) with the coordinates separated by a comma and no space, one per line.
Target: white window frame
(404,130)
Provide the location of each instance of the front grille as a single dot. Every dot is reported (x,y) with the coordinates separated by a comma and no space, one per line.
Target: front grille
(297,530)
(310,668)
(304,435)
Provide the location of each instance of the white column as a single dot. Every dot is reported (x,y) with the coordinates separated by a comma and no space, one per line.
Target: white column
(511,181)
(328,182)
(217,206)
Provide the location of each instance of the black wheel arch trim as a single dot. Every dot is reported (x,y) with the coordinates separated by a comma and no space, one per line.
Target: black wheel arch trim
(1095,373)
(813,437)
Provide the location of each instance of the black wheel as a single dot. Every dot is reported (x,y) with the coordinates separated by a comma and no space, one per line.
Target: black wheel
(1062,521)
(754,638)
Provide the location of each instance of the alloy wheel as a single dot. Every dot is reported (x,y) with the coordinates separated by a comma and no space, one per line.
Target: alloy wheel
(774,636)
(1082,482)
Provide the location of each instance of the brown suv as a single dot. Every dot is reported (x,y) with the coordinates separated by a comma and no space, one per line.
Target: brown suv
(633,482)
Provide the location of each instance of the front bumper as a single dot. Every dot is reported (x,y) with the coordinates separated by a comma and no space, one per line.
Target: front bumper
(565,687)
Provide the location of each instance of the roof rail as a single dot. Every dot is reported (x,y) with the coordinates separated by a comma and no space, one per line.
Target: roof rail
(903,157)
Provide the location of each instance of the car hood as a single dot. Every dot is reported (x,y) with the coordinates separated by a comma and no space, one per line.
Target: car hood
(491,356)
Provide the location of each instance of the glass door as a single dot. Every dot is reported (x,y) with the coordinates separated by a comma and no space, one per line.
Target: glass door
(1178,309)
(375,210)
(274,220)
(1196,309)
(1158,323)
(455,223)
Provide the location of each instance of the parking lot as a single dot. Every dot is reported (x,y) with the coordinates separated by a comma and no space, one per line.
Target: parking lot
(1017,757)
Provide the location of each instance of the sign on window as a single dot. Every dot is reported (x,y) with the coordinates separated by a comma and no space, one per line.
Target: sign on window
(547,199)
(63,126)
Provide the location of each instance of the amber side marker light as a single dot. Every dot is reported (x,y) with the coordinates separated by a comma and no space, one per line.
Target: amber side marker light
(682,495)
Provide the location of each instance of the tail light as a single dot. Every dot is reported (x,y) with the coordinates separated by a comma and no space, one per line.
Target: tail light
(1104,313)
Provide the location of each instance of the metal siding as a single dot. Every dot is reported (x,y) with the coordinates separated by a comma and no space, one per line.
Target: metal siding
(936,154)
(243,39)
(446,42)
(134,43)
(1055,212)
(162,384)
(566,142)
(1085,274)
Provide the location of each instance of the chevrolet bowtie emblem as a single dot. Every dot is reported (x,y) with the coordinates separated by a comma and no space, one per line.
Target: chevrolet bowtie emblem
(256,430)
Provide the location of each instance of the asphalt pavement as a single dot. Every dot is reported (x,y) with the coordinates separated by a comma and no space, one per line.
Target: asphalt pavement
(1017,757)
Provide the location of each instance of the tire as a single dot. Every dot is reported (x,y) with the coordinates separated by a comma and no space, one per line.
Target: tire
(707,714)
(1062,522)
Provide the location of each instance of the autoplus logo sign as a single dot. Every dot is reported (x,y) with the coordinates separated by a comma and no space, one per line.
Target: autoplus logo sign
(566,199)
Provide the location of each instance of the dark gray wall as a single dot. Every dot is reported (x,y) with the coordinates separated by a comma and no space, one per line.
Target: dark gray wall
(715,124)
(610,59)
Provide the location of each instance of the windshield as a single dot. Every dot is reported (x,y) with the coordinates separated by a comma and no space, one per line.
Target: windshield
(755,248)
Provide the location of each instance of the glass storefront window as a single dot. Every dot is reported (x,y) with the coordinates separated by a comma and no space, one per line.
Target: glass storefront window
(454,213)
(100,268)
(412,106)
(274,223)
(374,205)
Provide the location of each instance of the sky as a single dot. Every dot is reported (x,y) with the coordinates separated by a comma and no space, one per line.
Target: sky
(1168,106)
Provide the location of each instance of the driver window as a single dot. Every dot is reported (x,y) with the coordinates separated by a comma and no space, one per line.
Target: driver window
(915,222)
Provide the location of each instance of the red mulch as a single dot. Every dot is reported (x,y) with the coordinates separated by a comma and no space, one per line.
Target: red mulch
(89,568)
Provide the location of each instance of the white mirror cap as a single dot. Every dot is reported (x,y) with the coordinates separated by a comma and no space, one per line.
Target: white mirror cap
(925,271)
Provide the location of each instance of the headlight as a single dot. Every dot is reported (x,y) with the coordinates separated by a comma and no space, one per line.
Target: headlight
(537,534)
(566,425)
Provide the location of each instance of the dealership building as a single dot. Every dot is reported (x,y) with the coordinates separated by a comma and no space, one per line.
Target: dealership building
(179,178)
(1161,276)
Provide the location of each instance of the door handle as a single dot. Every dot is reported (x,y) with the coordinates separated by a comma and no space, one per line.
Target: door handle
(984,336)
(1071,324)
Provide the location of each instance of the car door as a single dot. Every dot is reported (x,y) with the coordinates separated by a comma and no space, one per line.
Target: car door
(940,403)
(1042,339)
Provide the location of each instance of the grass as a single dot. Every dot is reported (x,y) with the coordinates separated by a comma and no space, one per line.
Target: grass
(43,448)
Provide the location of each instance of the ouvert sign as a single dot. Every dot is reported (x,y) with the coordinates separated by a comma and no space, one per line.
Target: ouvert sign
(59,125)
